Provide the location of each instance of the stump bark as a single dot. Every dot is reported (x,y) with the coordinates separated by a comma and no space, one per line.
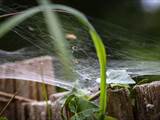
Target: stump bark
(119,104)
(147,101)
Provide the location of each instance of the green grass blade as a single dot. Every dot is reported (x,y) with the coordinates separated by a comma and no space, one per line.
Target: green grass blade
(102,60)
(61,45)
(44,93)
(9,24)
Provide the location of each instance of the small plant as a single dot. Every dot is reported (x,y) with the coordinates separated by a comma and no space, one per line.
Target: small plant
(77,106)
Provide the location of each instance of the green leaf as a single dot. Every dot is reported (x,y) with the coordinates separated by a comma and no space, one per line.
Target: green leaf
(3,118)
(102,60)
(110,118)
(73,106)
(79,107)
(88,113)
(66,103)
(84,104)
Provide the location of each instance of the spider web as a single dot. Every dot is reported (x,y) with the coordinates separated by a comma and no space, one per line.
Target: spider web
(136,53)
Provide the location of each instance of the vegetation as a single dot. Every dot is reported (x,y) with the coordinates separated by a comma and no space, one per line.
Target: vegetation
(74,104)
(3,118)
(77,105)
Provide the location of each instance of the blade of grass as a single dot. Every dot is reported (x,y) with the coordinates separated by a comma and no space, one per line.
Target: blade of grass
(55,30)
(102,60)
(44,93)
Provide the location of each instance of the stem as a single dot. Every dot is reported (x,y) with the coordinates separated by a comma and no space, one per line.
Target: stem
(5,107)
(44,93)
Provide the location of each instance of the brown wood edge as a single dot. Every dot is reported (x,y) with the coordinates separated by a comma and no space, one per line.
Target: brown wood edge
(20,98)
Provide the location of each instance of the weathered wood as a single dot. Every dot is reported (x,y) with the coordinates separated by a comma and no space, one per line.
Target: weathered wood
(27,91)
(38,110)
(56,111)
(34,111)
(33,90)
(7,86)
(14,110)
(56,105)
(119,104)
(7,96)
(8,103)
(38,69)
(55,96)
(9,112)
(147,100)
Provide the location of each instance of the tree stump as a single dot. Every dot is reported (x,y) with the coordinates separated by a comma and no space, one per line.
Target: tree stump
(24,88)
(38,110)
(34,111)
(147,101)
(119,104)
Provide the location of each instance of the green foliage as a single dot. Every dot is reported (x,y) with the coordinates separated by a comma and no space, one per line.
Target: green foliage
(45,96)
(3,118)
(147,79)
(110,118)
(119,86)
(79,109)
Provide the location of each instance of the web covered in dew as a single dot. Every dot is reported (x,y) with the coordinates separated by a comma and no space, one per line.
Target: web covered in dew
(135,53)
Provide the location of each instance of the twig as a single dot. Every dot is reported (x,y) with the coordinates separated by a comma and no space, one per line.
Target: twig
(20,98)
(94,96)
(5,107)
(17,13)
